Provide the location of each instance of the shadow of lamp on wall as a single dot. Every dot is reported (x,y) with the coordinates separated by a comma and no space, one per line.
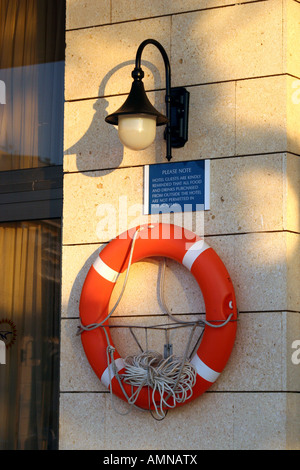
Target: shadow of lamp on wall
(137,118)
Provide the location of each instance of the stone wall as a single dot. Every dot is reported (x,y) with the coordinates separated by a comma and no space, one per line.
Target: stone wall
(240,62)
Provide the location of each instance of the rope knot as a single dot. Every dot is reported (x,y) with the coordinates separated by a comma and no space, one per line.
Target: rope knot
(110,349)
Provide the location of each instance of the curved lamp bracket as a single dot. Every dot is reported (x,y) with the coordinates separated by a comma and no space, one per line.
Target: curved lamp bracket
(177,103)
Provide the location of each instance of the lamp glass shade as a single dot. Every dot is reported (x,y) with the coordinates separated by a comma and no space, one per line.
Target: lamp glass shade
(136,131)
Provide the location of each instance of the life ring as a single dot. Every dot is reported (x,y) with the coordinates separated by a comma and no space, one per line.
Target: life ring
(183,246)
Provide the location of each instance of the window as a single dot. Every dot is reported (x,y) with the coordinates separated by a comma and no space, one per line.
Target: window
(32,47)
(29,306)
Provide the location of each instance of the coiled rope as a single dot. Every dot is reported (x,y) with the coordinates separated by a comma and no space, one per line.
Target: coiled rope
(169,377)
(172,377)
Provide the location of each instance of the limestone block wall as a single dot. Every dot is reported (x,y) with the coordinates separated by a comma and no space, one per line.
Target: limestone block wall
(240,61)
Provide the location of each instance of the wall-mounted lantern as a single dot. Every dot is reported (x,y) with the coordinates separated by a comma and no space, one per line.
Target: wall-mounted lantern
(137,118)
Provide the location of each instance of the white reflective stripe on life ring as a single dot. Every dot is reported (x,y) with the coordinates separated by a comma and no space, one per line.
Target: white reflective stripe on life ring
(203,370)
(193,252)
(108,374)
(105,271)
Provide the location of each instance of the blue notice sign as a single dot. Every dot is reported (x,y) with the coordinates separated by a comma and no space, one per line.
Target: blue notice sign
(177,187)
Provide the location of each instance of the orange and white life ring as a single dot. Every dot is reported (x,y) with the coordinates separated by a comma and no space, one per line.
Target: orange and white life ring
(183,246)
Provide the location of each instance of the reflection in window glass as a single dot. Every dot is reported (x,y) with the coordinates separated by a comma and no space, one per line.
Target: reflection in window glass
(29,327)
(31,83)
(32,49)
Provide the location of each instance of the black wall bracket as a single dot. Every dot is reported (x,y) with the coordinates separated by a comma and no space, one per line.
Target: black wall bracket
(179,116)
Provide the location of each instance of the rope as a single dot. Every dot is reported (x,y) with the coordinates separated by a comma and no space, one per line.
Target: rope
(173,378)
(198,322)
(93,326)
(168,376)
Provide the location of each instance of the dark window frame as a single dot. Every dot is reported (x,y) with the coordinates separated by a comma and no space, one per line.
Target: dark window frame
(31,194)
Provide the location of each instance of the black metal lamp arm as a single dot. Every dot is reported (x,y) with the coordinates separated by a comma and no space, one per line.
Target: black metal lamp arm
(138,74)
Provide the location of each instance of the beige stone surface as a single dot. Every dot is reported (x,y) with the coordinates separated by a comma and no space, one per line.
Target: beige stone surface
(98,66)
(148,338)
(245,421)
(264,268)
(261,358)
(211,130)
(255,262)
(267,115)
(259,421)
(81,419)
(181,290)
(261,115)
(99,61)
(124,10)
(293,271)
(291,330)
(231,56)
(293,114)
(260,272)
(291,36)
(292,191)
(76,373)
(236,42)
(87,13)
(114,204)
(83,13)
(142,297)
(169,434)
(220,124)
(246,194)
(100,204)
(91,143)
(293,421)
(257,362)
(76,262)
